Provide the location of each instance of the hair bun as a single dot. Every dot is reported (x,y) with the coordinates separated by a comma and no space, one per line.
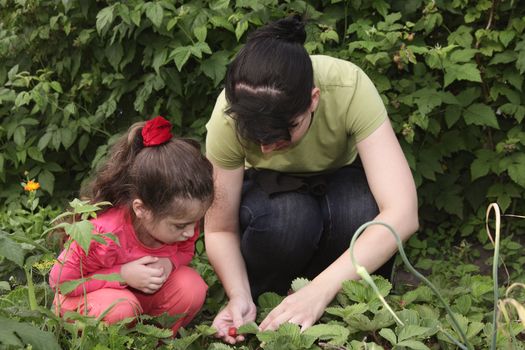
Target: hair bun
(290,29)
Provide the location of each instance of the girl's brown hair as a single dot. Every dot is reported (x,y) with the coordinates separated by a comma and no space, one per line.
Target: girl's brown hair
(156,175)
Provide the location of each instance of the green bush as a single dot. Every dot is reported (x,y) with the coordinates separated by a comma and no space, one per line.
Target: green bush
(75,73)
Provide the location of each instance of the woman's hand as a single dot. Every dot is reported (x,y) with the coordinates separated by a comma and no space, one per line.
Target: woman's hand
(240,310)
(139,275)
(302,308)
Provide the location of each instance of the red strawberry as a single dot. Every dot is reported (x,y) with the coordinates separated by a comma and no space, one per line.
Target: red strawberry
(232,331)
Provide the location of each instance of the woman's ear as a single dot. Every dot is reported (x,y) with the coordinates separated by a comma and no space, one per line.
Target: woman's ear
(140,210)
(316,94)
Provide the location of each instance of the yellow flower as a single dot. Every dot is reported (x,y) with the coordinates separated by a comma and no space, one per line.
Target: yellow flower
(31,186)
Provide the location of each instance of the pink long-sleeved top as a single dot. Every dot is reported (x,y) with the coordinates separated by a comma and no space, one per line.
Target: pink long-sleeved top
(106,259)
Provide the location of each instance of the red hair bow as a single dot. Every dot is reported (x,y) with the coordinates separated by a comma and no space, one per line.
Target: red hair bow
(156,132)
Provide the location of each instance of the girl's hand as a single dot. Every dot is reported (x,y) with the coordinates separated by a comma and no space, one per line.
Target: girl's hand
(165,264)
(240,310)
(139,275)
(302,308)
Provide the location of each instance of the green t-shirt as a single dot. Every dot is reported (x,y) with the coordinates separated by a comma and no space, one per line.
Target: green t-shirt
(349,110)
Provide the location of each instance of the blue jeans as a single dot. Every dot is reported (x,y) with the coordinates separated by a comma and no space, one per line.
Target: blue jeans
(292,234)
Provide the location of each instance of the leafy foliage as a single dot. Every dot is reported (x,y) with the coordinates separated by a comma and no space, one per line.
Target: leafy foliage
(74,73)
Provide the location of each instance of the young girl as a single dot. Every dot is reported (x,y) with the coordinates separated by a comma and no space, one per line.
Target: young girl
(160,188)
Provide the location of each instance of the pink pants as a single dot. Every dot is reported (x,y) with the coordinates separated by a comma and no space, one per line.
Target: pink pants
(183,293)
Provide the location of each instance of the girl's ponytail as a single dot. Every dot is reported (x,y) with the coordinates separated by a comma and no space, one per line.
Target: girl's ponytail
(111,182)
(150,164)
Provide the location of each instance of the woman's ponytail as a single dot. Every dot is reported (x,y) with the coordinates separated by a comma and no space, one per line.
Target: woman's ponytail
(290,29)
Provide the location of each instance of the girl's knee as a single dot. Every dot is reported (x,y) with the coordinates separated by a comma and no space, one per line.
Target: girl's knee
(113,304)
(187,289)
(119,311)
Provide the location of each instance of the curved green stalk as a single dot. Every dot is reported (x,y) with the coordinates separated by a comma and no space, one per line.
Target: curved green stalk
(360,269)
(30,288)
(494,267)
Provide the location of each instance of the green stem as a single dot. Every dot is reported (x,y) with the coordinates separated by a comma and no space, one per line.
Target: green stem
(30,289)
(494,267)
(413,270)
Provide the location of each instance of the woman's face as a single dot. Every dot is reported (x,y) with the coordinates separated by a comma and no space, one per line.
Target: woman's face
(302,123)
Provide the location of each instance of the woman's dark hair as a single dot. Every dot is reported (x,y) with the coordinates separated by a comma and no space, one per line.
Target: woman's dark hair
(156,175)
(270,81)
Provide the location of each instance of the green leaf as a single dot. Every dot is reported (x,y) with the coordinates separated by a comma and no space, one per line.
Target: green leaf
(474,328)
(506,36)
(202,47)
(159,59)
(81,207)
(153,331)
(215,66)
(389,335)
(181,55)
(331,35)
(480,114)
(452,115)
(373,58)
(10,250)
(111,277)
(69,286)
(114,53)
(248,328)
(467,96)
(462,56)
(335,334)
(24,335)
(47,181)
(220,346)
(55,85)
(35,153)
(348,311)
(218,5)
(462,304)
(467,71)
(461,37)
(67,136)
(70,109)
(411,331)
(104,19)
(19,135)
(82,143)
(200,33)
(299,283)
(28,121)
(44,141)
(155,13)
(81,232)
(241,27)
(482,164)
(520,62)
(221,22)
(504,57)
(269,300)
(5,286)
(516,169)
(413,344)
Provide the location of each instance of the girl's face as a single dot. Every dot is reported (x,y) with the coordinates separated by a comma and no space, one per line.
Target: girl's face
(173,228)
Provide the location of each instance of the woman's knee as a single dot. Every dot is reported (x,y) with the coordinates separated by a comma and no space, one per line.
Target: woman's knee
(286,218)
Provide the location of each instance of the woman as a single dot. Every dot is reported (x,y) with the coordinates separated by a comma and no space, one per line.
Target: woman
(303,154)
